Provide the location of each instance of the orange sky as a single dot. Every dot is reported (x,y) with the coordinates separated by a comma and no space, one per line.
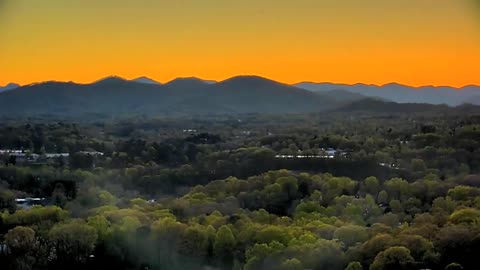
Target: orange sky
(416,42)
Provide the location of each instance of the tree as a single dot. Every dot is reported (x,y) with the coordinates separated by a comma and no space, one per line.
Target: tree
(224,244)
(289,186)
(420,248)
(324,255)
(418,165)
(20,239)
(382,197)
(454,266)
(258,253)
(458,243)
(354,266)
(396,206)
(7,200)
(463,193)
(393,258)
(101,225)
(194,241)
(350,235)
(73,241)
(375,245)
(273,233)
(292,264)
(397,188)
(22,243)
(371,185)
(40,216)
(467,216)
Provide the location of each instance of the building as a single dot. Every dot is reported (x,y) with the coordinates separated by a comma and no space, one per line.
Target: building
(27,203)
(20,156)
(57,155)
(91,153)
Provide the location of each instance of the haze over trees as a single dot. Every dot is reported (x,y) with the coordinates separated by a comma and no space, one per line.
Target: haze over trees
(250,191)
(242,172)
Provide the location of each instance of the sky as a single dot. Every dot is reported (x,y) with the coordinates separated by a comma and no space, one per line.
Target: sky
(414,42)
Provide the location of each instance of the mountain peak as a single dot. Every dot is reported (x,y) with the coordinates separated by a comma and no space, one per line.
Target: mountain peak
(187,82)
(394,85)
(9,86)
(249,79)
(110,79)
(185,79)
(145,80)
(12,85)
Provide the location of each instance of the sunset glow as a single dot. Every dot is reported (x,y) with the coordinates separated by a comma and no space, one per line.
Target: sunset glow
(415,42)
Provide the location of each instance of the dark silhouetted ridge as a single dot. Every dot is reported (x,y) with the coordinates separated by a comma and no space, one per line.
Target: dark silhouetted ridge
(145,80)
(379,106)
(119,97)
(9,87)
(111,80)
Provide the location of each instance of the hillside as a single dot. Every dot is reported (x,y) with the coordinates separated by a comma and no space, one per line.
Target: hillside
(378,106)
(9,87)
(117,96)
(401,93)
(473,100)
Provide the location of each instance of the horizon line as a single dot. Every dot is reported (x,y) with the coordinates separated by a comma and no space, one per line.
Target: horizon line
(243,75)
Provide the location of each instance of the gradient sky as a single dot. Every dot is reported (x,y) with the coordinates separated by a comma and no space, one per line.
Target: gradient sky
(416,42)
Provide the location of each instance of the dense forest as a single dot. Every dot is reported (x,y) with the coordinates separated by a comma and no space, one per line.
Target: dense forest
(397,190)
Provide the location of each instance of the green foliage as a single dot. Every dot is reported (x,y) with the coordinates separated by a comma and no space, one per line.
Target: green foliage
(23,248)
(194,241)
(393,258)
(404,196)
(468,215)
(454,266)
(20,239)
(37,216)
(350,235)
(224,242)
(292,264)
(354,266)
(73,241)
(7,200)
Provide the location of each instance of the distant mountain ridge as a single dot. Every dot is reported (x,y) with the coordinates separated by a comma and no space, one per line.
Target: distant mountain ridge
(146,80)
(401,93)
(379,106)
(475,100)
(117,96)
(9,87)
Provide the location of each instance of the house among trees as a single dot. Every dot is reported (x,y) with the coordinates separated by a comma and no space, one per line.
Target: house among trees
(27,203)
(20,157)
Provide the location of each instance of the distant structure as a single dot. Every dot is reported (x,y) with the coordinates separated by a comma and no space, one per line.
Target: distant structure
(328,153)
(92,153)
(26,157)
(57,155)
(27,203)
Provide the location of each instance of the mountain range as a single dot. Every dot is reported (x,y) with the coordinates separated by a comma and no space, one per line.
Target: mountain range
(116,96)
(404,94)
(8,87)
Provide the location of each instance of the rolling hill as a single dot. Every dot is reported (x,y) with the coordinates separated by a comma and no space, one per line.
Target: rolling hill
(9,87)
(145,80)
(373,105)
(116,96)
(401,93)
